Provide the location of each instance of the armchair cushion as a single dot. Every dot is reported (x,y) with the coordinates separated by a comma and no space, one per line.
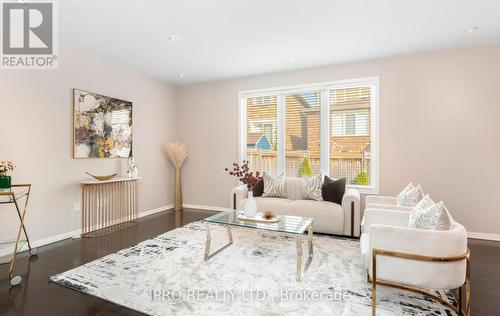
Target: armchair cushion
(429,215)
(410,196)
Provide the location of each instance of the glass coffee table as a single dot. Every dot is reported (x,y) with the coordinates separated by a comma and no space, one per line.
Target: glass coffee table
(289,225)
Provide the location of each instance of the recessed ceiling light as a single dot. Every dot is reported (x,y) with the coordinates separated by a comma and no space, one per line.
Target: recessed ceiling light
(172,38)
(472,29)
(181,75)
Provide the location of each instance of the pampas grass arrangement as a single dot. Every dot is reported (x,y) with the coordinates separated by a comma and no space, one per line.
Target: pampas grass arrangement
(177,154)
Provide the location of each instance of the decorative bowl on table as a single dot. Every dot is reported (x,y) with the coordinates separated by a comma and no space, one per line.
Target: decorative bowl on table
(102,178)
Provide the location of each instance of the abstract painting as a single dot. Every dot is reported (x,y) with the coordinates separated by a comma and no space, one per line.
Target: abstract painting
(102,126)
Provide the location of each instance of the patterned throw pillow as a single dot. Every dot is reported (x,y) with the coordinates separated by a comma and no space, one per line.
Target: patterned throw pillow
(311,188)
(429,215)
(410,196)
(274,186)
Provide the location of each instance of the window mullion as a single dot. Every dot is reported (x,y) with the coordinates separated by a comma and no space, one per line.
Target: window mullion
(325,132)
(281,133)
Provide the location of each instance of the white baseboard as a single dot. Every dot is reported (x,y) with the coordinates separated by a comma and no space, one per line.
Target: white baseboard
(205,207)
(156,210)
(74,233)
(483,236)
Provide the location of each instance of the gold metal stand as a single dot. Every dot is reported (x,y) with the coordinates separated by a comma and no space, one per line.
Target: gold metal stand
(457,308)
(109,206)
(12,198)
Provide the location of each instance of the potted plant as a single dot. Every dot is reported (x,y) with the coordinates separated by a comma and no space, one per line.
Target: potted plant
(250,179)
(5,180)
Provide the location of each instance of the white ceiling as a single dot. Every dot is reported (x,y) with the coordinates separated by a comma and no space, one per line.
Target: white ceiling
(222,39)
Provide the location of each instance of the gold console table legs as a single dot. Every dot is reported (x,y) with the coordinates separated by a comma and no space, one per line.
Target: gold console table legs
(109,206)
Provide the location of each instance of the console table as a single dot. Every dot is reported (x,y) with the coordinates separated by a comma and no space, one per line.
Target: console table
(109,205)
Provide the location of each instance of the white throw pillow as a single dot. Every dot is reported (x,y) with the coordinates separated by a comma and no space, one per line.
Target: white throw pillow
(311,188)
(429,215)
(274,186)
(410,196)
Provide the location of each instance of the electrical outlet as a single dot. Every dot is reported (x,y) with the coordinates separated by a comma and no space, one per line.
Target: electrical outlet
(77,206)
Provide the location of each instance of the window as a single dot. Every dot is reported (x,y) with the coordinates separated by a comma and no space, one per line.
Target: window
(325,128)
(261,133)
(302,134)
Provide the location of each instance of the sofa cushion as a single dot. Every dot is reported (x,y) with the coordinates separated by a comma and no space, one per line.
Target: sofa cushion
(293,188)
(258,188)
(277,205)
(328,217)
(274,186)
(311,188)
(333,190)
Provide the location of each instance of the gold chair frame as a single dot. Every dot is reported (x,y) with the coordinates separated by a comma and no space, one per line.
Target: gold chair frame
(410,256)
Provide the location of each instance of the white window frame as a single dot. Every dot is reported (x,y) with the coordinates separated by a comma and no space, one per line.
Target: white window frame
(324,88)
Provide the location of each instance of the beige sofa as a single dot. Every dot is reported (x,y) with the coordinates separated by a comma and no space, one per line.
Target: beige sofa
(329,218)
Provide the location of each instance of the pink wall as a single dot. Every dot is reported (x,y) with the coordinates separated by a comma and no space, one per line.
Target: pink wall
(439,127)
(36,132)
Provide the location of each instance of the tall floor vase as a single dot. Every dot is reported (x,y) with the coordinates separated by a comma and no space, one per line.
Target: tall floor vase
(178,190)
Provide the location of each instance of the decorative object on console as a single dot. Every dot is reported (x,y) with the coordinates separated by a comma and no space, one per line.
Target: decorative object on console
(102,178)
(5,180)
(102,126)
(251,180)
(333,190)
(311,188)
(132,171)
(410,195)
(274,186)
(177,154)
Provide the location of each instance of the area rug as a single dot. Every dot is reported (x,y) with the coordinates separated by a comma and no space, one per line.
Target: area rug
(167,275)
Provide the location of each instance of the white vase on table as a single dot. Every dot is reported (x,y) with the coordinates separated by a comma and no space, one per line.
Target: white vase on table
(250,205)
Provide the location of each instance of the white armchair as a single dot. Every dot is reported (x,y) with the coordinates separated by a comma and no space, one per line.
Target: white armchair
(384,202)
(411,259)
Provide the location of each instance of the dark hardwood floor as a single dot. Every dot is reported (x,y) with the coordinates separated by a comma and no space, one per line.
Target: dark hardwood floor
(37,296)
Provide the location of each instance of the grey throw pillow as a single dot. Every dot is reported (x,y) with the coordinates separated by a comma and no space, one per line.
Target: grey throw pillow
(274,186)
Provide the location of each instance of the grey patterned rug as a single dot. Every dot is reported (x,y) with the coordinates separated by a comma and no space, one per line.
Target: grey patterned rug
(166,275)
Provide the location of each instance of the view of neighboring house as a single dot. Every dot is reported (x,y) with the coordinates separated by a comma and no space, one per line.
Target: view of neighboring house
(349,125)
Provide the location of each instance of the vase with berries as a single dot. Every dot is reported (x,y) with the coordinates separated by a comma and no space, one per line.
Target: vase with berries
(250,179)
